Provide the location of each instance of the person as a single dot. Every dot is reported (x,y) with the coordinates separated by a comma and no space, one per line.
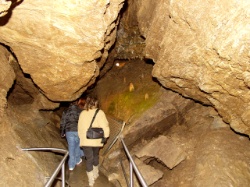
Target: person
(91,147)
(68,128)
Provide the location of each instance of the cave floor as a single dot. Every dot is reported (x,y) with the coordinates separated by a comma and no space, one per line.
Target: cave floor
(78,177)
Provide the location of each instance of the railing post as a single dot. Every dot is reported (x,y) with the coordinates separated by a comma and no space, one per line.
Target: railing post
(63,174)
(133,166)
(131,174)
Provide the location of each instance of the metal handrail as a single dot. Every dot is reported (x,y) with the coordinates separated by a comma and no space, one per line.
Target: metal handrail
(133,167)
(116,138)
(61,166)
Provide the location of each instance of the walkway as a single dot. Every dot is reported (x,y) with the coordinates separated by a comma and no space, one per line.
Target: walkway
(78,178)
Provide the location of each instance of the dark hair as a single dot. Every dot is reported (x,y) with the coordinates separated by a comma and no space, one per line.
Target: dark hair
(81,102)
(91,103)
(74,102)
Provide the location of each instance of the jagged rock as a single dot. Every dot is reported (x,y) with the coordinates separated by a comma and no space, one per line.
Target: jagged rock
(7,77)
(149,173)
(58,44)
(200,50)
(164,149)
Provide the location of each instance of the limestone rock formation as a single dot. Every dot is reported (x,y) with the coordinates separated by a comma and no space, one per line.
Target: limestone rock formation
(7,77)
(58,43)
(164,149)
(211,154)
(52,51)
(201,50)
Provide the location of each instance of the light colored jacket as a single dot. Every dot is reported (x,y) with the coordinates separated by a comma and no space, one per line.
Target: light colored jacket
(84,123)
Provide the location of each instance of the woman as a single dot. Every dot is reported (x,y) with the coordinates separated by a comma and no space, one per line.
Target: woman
(68,128)
(91,147)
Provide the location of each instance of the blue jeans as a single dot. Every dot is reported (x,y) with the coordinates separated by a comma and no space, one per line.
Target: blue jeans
(75,153)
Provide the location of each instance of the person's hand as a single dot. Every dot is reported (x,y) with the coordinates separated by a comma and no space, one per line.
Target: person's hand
(62,133)
(104,140)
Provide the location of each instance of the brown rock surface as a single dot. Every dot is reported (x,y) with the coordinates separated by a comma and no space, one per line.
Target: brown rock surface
(192,44)
(163,149)
(58,42)
(7,77)
(200,50)
(55,50)
(214,154)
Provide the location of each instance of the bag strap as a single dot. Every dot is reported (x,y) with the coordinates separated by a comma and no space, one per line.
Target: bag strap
(93,118)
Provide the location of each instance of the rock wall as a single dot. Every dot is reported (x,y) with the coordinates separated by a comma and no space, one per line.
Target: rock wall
(7,77)
(201,50)
(22,125)
(175,141)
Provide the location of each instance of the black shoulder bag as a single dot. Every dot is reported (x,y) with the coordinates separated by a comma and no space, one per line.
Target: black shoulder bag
(94,132)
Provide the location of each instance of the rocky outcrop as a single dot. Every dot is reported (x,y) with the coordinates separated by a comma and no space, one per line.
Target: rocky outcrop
(165,150)
(58,43)
(22,125)
(7,77)
(200,50)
